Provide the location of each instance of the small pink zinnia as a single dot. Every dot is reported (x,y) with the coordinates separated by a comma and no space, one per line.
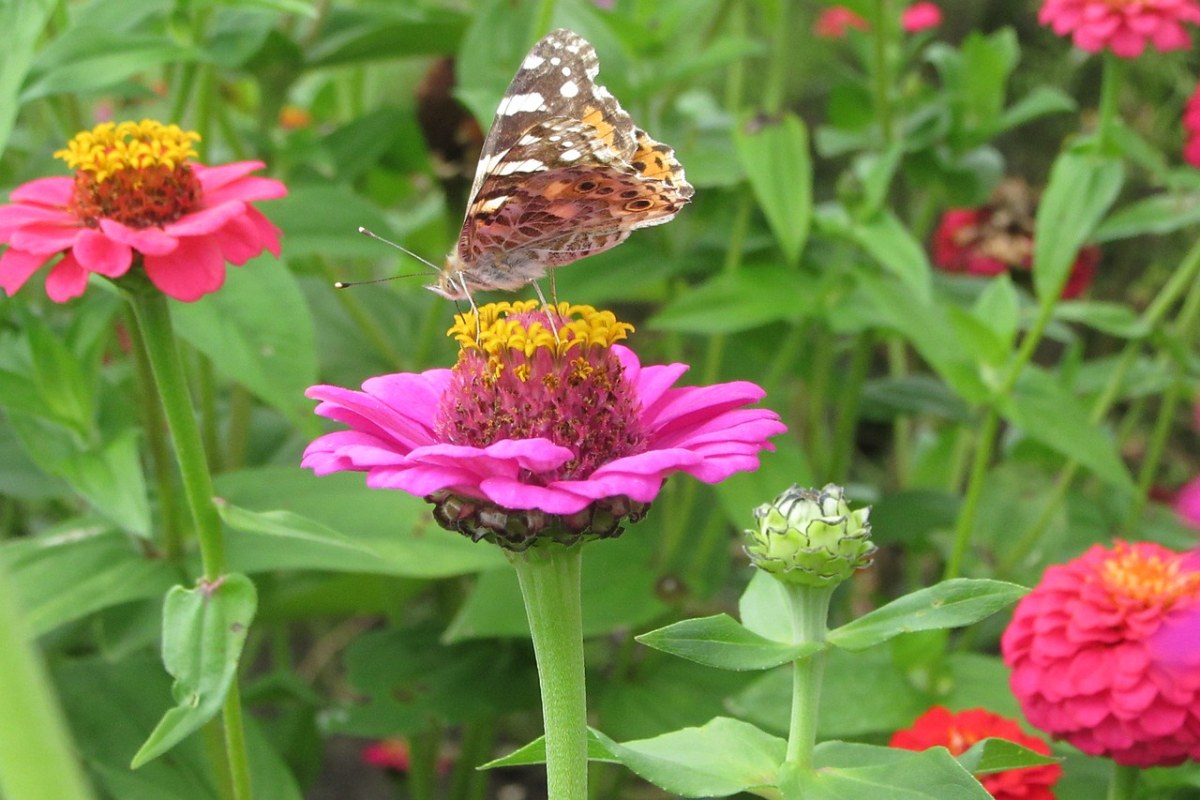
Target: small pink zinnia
(836,21)
(540,430)
(1187,503)
(1191,127)
(1123,26)
(1095,658)
(136,194)
(959,732)
(921,17)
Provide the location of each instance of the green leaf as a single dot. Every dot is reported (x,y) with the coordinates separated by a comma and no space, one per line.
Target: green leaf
(86,59)
(999,307)
(1041,101)
(775,156)
(62,380)
(204,630)
(891,244)
(22,24)
(384,32)
(1115,319)
(738,301)
(1047,412)
(79,568)
(110,477)
(997,755)
(1081,189)
(845,770)
(721,641)
(949,604)
(334,522)
(1162,213)
(718,759)
(535,753)
(763,607)
(258,331)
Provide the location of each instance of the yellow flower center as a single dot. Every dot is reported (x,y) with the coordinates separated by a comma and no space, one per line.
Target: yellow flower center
(136,173)
(1150,578)
(508,330)
(112,147)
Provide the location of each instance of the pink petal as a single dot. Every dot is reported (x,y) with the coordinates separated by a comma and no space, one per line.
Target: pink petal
(47,237)
(16,267)
(512,493)
(246,190)
(206,221)
(268,234)
(14,217)
(239,240)
(67,279)
(213,178)
(97,253)
(191,271)
(45,191)
(147,241)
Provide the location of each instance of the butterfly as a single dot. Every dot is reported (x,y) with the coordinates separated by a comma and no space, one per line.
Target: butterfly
(564,173)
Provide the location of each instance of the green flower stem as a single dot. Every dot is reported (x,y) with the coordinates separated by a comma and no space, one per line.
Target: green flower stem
(37,759)
(1110,90)
(882,69)
(809,607)
(550,583)
(154,319)
(897,359)
(848,406)
(1124,782)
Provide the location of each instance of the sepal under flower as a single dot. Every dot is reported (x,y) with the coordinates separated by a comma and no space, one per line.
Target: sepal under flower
(811,537)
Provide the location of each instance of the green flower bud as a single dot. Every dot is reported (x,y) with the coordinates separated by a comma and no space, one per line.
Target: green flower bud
(811,537)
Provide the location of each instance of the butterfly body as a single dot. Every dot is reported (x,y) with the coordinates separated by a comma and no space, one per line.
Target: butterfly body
(564,174)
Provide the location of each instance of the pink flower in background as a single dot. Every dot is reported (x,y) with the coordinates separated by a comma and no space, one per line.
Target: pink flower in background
(958,732)
(836,21)
(1187,503)
(1124,27)
(1191,128)
(135,193)
(920,17)
(532,431)
(1103,654)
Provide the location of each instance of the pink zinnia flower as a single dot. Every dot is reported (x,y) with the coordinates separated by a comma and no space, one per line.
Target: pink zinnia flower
(136,198)
(1123,26)
(1191,127)
(537,429)
(920,17)
(836,21)
(958,732)
(1187,503)
(1095,656)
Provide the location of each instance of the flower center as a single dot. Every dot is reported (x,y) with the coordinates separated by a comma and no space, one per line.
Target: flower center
(1150,578)
(134,172)
(516,380)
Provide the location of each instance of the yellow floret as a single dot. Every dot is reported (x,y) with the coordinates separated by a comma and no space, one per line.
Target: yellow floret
(111,147)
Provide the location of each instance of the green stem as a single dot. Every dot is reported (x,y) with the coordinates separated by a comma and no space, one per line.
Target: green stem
(880,33)
(1124,781)
(153,315)
(970,506)
(467,782)
(848,405)
(809,608)
(897,358)
(542,22)
(37,759)
(778,67)
(1110,89)
(372,331)
(550,583)
(237,432)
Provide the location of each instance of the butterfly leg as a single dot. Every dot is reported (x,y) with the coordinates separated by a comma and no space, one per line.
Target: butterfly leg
(462,282)
(548,308)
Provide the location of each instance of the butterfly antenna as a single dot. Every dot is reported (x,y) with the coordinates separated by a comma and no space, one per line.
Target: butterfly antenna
(405,250)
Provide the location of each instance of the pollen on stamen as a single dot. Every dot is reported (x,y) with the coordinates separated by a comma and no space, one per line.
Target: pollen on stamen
(1149,579)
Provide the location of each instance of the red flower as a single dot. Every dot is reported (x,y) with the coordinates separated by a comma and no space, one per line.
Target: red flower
(1187,503)
(391,754)
(1123,26)
(1191,125)
(836,21)
(1096,656)
(920,17)
(959,732)
(135,192)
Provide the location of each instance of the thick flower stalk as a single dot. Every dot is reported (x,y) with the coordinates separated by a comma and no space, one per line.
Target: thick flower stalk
(1123,27)
(959,731)
(540,434)
(136,198)
(1095,656)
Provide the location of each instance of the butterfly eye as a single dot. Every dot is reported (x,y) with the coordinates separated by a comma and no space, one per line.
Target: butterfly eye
(638,205)
(586,185)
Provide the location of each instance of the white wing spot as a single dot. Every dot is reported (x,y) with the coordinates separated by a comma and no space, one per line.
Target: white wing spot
(568,144)
(493,204)
(527,140)
(519,103)
(566,71)
(570,155)
(556,60)
(532,61)
(528,165)
(554,137)
(569,89)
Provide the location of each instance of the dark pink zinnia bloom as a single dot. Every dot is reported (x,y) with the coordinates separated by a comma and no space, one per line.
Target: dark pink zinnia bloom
(1191,127)
(534,431)
(1187,503)
(1096,655)
(136,198)
(921,17)
(1124,27)
(959,731)
(835,22)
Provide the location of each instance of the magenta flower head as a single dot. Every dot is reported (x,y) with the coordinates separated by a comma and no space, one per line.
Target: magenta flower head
(1191,129)
(1103,654)
(920,17)
(136,198)
(1123,27)
(534,434)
